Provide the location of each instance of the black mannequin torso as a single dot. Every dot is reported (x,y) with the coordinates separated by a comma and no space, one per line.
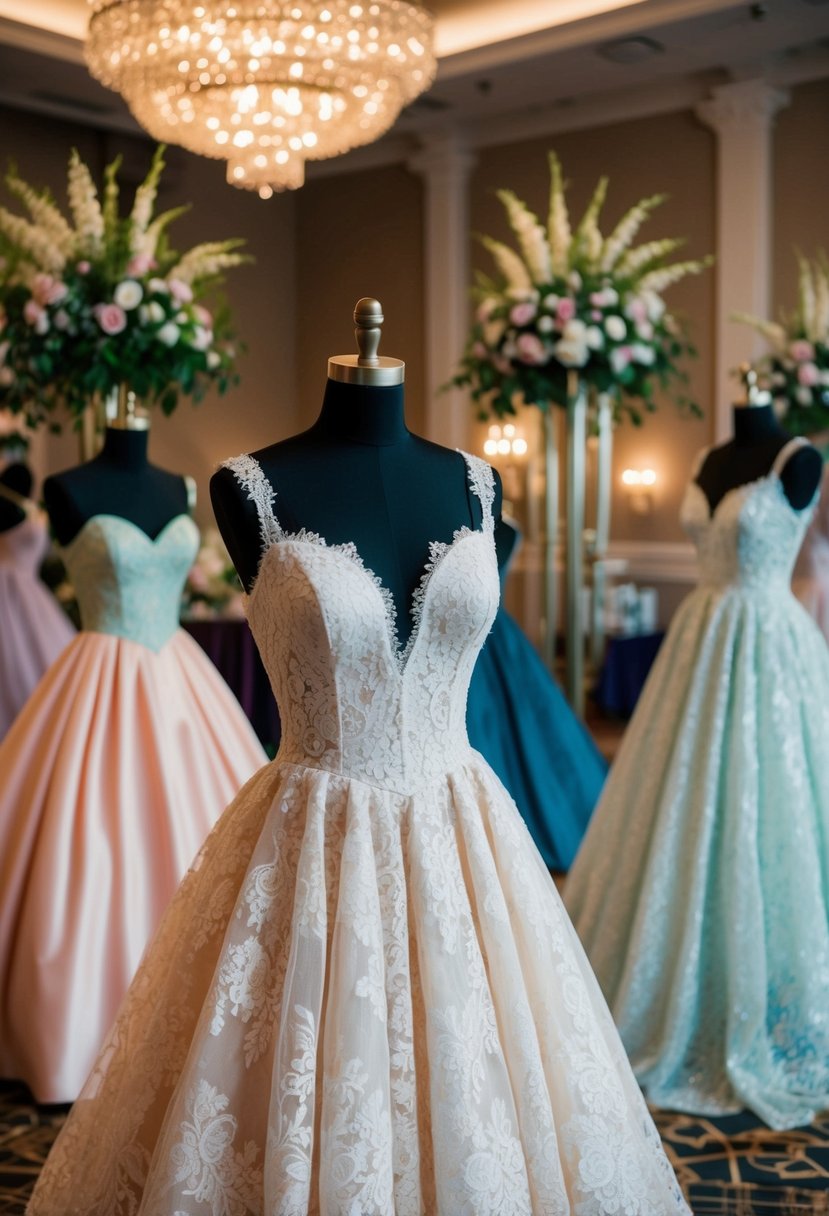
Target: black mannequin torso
(118,481)
(17,479)
(357,475)
(758,437)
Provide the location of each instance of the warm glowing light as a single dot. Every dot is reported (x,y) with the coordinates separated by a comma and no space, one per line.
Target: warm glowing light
(505,440)
(465,27)
(289,84)
(519,446)
(639,477)
(491,447)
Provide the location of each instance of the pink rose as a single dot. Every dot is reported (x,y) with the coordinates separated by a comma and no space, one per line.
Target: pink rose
(181,292)
(48,290)
(808,374)
(531,350)
(479,350)
(139,264)
(203,316)
(595,315)
(620,358)
(522,314)
(802,351)
(83,267)
(111,318)
(61,319)
(637,310)
(32,312)
(198,580)
(565,310)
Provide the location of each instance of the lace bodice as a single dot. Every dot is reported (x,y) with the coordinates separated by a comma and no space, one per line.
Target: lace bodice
(25,545)
(753,536)
(127,583)
(351,699)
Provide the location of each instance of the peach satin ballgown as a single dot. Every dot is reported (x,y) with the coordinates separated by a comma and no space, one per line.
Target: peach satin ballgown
(33,627)
(112,776)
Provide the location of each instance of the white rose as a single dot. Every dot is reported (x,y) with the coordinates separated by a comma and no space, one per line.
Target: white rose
(642,354)
(654,303)
(152,313)
(575,280)
(571,353)
(169,334)
(594,337)
(213,359)
(615,328)
(545,325)
(550,302)
(201,338)
(803,395)
(128,294)
(575,331)
(611,297)
(159,286)
(42,324)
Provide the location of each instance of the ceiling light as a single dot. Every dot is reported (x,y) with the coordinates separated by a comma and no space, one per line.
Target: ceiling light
(264,86)
(630,50)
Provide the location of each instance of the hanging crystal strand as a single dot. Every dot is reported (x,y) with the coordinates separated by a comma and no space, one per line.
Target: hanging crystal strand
(576,441)
(604,458)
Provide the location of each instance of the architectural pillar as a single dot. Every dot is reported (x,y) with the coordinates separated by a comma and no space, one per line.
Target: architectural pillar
(445,163)
(742,115)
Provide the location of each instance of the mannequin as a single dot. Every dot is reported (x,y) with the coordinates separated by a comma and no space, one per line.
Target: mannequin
(15,491)
(358,474)
(758,437)
(118,481)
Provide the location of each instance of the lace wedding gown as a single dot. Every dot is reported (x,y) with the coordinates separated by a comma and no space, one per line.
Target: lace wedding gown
(111,777)
(365,999)
(34,629)
(701,890)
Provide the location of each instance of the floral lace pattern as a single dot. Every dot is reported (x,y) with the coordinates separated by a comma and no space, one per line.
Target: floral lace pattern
(700,889)
(365,998)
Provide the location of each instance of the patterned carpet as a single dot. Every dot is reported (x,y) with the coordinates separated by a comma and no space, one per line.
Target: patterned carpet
(734,1167)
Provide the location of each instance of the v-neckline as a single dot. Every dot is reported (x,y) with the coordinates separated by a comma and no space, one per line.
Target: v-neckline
(347,550)
(251,476)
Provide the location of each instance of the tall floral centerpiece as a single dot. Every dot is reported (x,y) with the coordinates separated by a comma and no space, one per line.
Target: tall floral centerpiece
(796,365)
(572,312)
(98,304)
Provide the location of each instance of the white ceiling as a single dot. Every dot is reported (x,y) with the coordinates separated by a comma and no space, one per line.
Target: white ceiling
(507,63)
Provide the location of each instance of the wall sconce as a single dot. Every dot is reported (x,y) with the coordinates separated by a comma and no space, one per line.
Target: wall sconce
(639,485)
(505,440)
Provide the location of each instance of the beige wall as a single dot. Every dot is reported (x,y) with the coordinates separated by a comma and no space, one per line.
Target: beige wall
(359,234)
(801,162)
(262,296)
(669,153)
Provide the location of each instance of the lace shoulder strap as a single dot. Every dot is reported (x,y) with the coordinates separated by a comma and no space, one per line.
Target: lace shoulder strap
(787,451)
(482,483)
(251,477)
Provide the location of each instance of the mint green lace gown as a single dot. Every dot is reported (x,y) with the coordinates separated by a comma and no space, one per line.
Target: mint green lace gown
(702,887)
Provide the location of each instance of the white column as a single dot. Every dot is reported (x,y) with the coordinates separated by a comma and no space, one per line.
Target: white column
(742,115)
(445,163)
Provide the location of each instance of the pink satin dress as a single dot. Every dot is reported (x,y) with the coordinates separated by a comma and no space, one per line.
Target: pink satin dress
(33,627)
(110,780)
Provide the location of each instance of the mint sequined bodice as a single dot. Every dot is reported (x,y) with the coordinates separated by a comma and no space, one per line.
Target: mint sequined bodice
(128,584)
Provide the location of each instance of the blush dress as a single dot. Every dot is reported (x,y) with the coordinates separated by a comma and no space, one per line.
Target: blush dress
(112,776)
(366,998)
(34,629)
(702,888)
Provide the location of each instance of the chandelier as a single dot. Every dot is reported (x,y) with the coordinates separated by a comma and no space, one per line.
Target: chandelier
(265,86)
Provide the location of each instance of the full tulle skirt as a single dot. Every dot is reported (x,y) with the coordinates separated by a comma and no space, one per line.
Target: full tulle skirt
(112,777)
(519,719)
(34,630)
(702,888)
(362,1002)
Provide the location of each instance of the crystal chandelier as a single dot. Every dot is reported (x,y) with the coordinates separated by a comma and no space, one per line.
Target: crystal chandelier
(262,84)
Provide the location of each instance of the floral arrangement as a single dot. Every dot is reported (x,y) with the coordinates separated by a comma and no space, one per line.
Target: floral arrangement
(575,300)
(212,588)
(104,301)
(796,367)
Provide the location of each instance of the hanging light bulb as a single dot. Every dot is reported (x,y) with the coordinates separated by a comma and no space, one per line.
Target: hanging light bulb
(264,86)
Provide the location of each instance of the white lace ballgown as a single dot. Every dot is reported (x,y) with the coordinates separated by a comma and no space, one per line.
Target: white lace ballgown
(366,998)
